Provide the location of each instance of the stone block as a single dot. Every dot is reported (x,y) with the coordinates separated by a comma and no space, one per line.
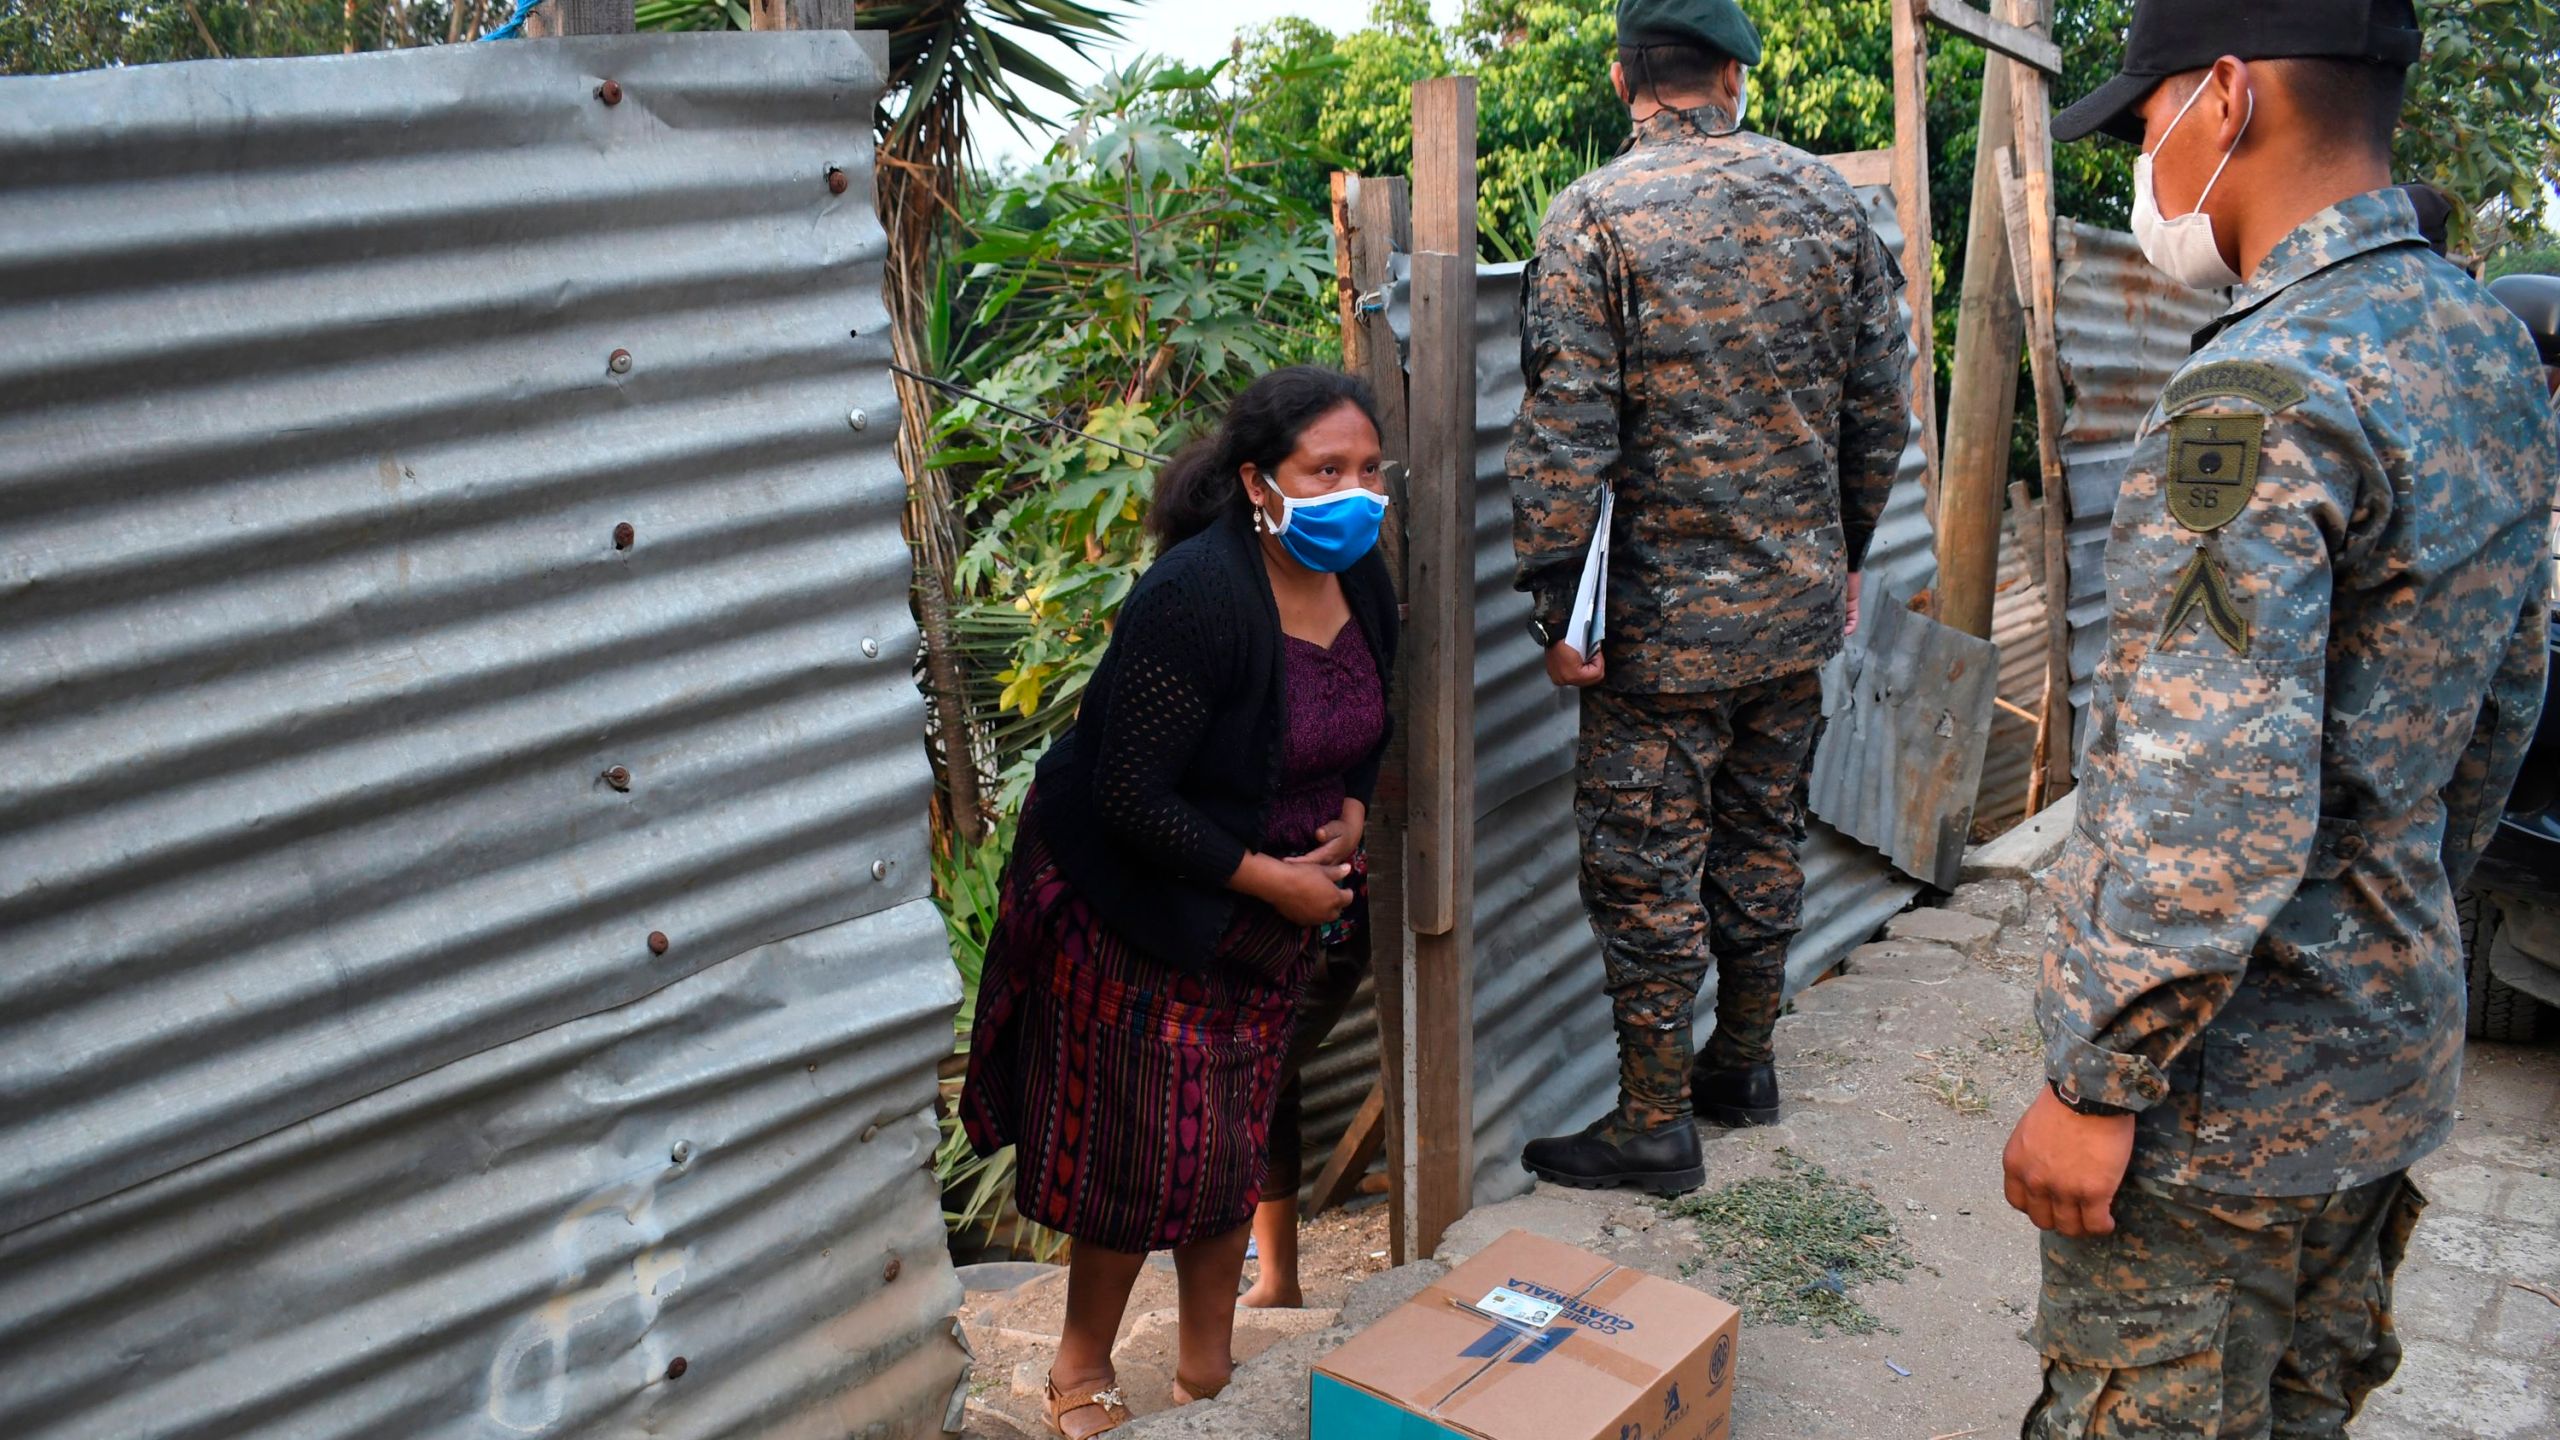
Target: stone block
(1974,935)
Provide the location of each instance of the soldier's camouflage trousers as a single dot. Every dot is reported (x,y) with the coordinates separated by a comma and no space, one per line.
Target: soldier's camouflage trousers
(1691,808)
(2226,1317)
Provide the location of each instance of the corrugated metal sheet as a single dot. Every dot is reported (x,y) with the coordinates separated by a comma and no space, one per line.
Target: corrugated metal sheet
(2124,328)
(344,1091)
(1901,762)
(1545,1052)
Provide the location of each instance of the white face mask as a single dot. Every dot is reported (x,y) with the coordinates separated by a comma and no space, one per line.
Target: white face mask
(2184,249)
(1741,99)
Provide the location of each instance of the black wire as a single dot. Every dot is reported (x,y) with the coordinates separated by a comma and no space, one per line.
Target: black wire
(965,393)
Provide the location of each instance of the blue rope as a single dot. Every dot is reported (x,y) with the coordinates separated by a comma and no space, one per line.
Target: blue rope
(514,28)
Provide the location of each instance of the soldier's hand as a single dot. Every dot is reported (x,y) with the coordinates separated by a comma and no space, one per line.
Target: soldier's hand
(2063,1168)
(1852,627)
(1565,666)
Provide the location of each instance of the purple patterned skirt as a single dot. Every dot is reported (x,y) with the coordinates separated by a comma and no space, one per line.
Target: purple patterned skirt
(1138,1097)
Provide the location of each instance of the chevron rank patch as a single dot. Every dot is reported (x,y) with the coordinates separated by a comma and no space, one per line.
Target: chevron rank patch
(2213,467)
(2204,588)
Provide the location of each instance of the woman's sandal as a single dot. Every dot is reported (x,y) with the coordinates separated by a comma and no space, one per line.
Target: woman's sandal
(1186,1393)
(1090,1410)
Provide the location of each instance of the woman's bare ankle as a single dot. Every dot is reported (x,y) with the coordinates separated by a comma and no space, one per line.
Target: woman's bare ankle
(1269,1294)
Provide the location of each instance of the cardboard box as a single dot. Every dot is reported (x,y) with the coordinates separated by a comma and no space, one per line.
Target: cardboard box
(1535,1340)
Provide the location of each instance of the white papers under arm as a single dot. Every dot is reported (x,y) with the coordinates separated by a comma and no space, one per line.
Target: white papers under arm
(1591,596)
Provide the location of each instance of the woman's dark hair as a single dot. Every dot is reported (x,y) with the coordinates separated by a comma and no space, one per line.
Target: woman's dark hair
(1200,483)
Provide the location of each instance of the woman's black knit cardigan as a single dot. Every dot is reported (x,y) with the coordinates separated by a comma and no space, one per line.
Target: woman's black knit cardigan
(1154,797)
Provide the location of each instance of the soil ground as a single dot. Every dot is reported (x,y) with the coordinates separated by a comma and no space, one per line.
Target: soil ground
(1903,1074)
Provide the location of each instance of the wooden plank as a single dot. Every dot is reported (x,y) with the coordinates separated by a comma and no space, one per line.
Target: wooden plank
(1438,1004)
(1982,390)
(553,18)
(1911,208)
(1373,224)
(1863,168)
(2004,34)
(1438,1124)
(2032,161)
(1340,1178)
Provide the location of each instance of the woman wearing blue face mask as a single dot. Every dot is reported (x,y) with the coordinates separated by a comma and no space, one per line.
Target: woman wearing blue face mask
(1184,847)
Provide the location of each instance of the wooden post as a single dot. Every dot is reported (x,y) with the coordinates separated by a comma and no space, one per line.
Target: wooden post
(2032,199)
(800,14)
(1983,388)
(1373,223)
(578,17)
(1911,209)
(1438,1126)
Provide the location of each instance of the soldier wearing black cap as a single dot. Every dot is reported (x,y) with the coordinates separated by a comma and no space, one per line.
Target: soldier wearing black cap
(1710,337)
(2324,661)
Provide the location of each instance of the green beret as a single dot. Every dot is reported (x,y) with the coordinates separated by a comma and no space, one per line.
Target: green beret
(1716,25)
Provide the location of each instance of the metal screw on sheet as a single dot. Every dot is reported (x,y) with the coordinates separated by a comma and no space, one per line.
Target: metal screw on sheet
(870,648)
(677,1367)
(619,362)
(610,92)
(869,1132)
(879,869)
(623,535)
(682,1152)
(836,182)
(889,1272)
(619,778)
(657,942)
(857,420)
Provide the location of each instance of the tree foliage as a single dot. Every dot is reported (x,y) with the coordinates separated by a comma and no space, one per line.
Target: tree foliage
(52,37)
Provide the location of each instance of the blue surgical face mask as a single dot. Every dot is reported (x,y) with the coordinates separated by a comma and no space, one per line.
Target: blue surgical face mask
(1331,532)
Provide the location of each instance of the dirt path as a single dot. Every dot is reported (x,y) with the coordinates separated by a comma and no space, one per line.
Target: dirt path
(1903,1075)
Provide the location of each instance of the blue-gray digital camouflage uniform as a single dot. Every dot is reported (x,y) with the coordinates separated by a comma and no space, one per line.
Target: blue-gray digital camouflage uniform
(1710,329)
(2326,584)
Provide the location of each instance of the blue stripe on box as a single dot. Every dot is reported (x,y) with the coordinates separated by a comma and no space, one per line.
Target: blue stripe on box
(1336,1411)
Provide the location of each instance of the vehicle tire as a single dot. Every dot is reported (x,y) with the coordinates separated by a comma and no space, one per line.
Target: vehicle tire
(2497,1010)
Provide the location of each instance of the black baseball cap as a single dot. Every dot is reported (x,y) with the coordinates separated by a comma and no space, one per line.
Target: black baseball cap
(2172,37)
(2536,301)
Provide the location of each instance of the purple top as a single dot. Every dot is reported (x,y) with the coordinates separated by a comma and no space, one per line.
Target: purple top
(1337,714)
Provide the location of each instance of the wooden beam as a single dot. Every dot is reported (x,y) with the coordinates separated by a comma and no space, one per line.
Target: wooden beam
(1438,1011)
(1352,1155)
(800,14)
(1982,389)
(1911,208)
(2005,35)
(1863,168)
(554,18)
(2032,199)
(1373,224)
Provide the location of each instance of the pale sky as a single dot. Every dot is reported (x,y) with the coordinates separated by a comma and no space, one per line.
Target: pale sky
(1197,31)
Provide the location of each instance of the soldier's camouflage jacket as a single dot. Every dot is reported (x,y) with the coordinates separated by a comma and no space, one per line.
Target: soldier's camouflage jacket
(1709,326)
(2325,586)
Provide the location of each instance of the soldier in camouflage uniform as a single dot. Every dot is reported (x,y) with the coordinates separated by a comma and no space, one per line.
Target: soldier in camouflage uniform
(2324,662)
(1710,334)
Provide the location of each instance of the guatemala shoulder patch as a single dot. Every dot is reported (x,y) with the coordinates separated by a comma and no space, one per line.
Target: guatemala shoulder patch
(2251,380)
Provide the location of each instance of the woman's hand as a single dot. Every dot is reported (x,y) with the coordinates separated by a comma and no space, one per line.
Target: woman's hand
(1339,840)
(1305,893)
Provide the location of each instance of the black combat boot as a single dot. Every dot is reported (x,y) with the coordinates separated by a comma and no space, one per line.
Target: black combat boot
(1664,1161)
(1735,1098)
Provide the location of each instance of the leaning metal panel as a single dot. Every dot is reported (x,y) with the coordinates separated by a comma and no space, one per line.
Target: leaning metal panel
(459,752)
